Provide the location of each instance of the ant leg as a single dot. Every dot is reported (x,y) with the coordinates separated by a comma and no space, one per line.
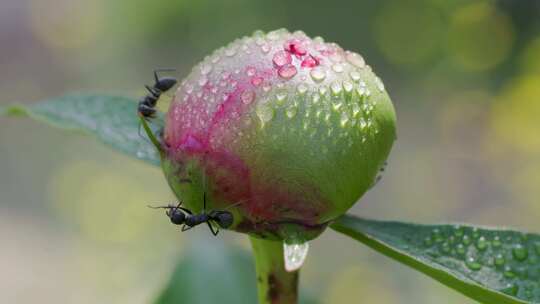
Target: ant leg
(204,201)
(155,92)
(214,232)
(186,228)
(185,209)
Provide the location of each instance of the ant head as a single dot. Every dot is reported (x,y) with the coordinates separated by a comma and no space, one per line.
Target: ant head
(165,83)
(176,215)
(224,219)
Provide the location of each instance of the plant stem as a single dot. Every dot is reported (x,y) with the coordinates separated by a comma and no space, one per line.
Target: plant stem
(274,284)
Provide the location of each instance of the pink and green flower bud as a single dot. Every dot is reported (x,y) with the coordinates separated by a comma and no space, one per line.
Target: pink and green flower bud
(284,131)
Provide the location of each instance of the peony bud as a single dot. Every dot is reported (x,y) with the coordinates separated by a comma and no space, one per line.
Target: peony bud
(284,131)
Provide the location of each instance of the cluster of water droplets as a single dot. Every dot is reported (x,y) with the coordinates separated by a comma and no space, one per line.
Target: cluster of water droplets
(330,92)
(509,259)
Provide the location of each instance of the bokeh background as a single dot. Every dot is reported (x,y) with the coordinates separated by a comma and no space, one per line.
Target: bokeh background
(464,77)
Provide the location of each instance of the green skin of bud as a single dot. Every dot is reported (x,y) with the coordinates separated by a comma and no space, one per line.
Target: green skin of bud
(284,131)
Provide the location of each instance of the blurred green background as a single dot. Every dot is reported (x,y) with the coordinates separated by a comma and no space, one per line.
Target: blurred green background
(464,77)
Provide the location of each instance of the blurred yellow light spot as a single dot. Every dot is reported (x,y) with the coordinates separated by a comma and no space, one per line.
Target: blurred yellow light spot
(66,24)
(515,117)
(480,37)
(106,205)
(408,33)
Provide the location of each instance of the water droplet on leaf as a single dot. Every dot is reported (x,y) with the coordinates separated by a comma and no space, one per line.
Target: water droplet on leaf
(520,253)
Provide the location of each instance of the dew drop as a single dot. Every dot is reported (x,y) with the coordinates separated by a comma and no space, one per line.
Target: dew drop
(355,76)
(475,233)
(355,109)
(316,98)
(481,243)
(508,273)
(202,81)
(280,96)
(291,111)
(460,249)
(287,71)
(361,91)
(344,119)
(473,264)
(458,230)
(347,86)
(273,35)
(336,57)
(301,88)
(511,289)
(436,232)
(496,241)
(363,123)
(323,90)
(338,68)
(318,74)
(379,84)
(336,88)
(310,62)
(256,80)
(355,59)
(205,69)
(265,113)
(265,48)
(466,240)
(247,97)
(250,71)
(520,253)
(445,247)
(537,247)
(281,58)
(230,52)
(337,105)
(499,260)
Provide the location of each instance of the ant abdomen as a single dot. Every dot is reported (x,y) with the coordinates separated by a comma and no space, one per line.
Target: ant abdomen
(223,218)
(165,83)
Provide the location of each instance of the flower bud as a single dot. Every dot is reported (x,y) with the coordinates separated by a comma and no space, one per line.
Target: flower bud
(284,131)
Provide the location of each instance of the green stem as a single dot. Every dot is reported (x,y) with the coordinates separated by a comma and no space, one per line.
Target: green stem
(274,284)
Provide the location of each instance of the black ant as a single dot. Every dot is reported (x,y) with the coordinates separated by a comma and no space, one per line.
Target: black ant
(148,103)
(184,216)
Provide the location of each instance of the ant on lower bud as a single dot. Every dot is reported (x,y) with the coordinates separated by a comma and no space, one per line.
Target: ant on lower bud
(148,103)
(183,216)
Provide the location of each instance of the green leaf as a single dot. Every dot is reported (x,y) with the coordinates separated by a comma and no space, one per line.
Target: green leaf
(112,119)
(489,265)
(213,272)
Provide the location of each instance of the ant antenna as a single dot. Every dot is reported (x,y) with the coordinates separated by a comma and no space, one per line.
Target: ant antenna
(158,207)
(235,204)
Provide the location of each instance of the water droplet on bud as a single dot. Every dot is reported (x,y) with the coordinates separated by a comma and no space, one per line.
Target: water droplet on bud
(247,97)
(355,59)
(295,255)
(318,74)
(281,58)
(287,71)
